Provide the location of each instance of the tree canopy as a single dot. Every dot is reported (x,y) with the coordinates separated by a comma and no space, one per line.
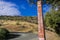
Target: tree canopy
(52,2)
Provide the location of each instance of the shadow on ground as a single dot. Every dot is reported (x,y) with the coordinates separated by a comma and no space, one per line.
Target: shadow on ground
(12,36)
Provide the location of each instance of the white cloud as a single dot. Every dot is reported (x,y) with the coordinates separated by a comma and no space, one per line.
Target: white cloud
(7,8)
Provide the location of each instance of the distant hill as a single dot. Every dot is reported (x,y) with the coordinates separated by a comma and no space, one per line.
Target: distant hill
(32,19)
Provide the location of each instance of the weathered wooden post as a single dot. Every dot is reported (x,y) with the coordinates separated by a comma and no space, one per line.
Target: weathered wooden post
(41,31)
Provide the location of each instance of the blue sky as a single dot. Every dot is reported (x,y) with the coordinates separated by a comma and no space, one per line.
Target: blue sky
(21,8)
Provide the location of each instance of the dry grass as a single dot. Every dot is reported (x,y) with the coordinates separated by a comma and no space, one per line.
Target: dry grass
(22,26)
(51,35)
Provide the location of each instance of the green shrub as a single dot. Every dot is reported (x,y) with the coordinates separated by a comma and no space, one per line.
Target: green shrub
(52,20)
(0,24)
(17,23)
(3,33)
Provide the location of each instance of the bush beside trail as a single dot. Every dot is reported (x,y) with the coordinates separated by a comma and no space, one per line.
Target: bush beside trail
(52,20)
(3,33)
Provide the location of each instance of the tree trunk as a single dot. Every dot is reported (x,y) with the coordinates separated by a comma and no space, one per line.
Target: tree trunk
(41,31)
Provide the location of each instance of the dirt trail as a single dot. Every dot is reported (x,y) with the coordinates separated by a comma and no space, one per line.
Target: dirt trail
(51,35)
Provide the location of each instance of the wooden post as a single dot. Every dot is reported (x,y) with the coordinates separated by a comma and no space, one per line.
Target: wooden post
(40,22)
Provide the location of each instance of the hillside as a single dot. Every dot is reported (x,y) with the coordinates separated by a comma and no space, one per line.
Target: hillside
(24,24)
(19,23)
